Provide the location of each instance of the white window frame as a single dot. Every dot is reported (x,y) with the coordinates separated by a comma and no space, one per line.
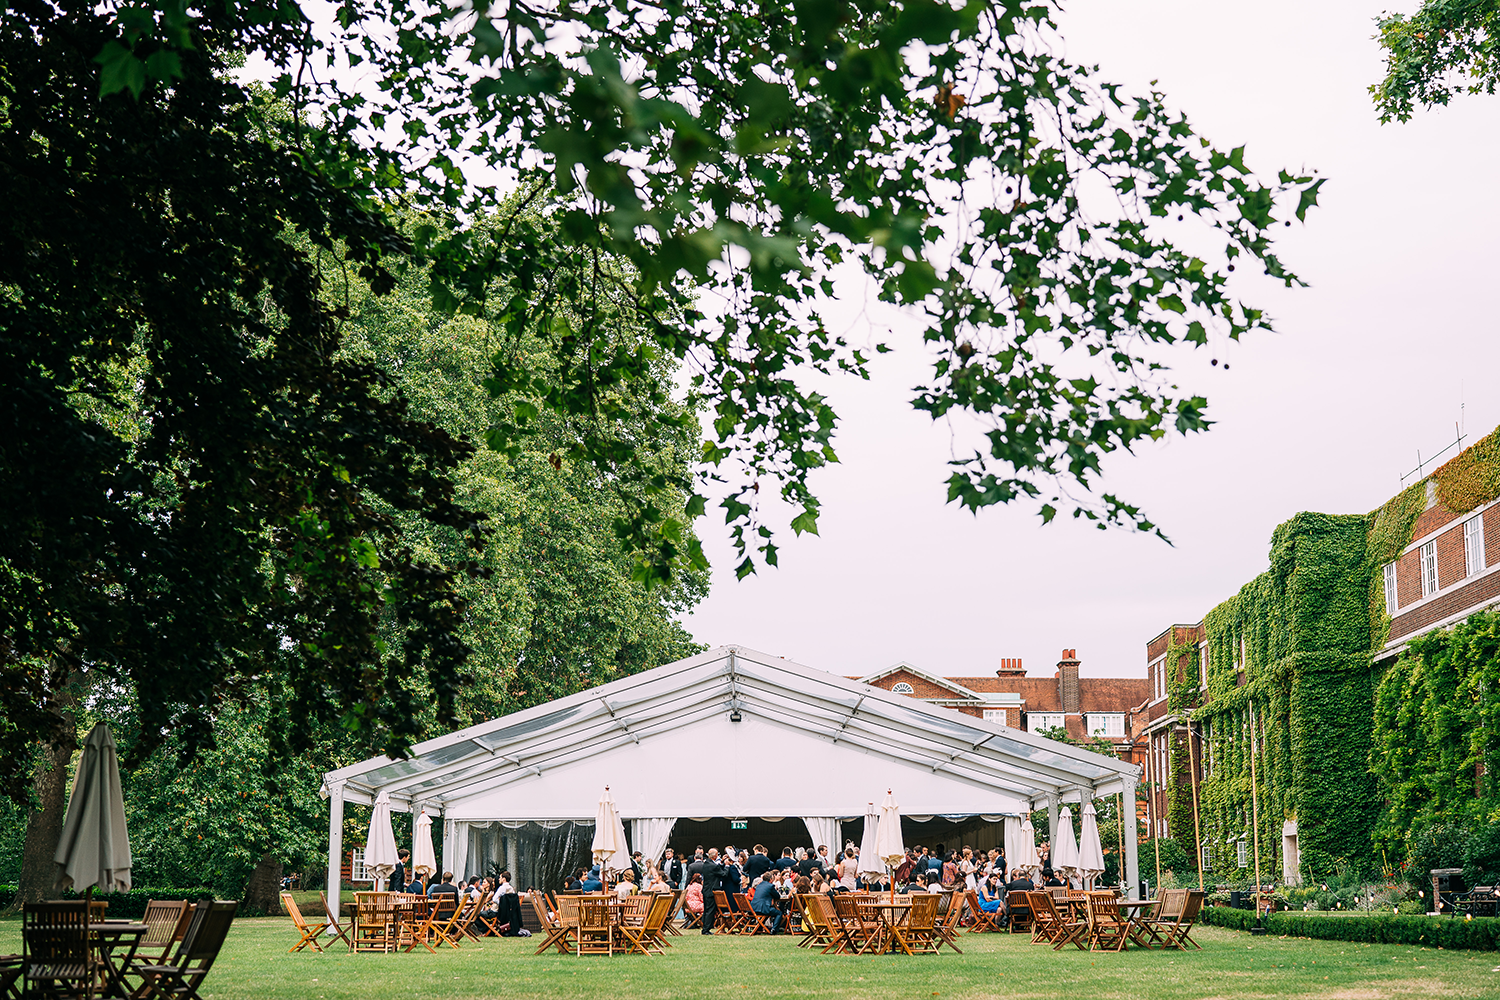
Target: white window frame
(357,870)
(1203,667)
(1474,545)
(1241,855)
(901,687)
(1429,565)
(1106,724)
(996,715)
(1208,856)
(1392,601)
(1037,721)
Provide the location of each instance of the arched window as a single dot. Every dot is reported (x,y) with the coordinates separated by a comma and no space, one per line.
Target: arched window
(901,687)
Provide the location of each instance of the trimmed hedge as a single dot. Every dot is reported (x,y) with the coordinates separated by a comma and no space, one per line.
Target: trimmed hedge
(123,905)
(1478,934)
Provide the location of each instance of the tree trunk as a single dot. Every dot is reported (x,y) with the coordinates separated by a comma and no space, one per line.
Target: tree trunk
(38,879)
(263,891)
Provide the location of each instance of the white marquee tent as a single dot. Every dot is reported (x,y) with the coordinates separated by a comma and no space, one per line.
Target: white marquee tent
(699,738)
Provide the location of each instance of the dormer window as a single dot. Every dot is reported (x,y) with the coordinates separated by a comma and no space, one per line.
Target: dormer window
(901,687)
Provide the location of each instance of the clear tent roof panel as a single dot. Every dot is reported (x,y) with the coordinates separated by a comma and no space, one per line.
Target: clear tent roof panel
(656,702)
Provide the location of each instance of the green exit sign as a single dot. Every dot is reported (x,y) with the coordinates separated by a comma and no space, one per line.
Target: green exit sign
(739,824)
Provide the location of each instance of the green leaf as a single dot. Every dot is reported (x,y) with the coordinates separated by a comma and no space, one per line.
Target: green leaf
(121,70)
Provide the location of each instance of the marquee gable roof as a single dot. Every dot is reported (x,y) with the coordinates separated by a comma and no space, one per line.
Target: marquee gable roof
(534,763)
(946,683)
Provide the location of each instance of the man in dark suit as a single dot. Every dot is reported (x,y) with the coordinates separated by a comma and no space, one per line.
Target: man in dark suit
(397,881)
(712,873)
(767,903)
(1018,884)
(674,871)
(758,864)
(786,860)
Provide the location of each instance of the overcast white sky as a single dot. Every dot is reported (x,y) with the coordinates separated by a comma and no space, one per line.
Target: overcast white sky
(1368,367)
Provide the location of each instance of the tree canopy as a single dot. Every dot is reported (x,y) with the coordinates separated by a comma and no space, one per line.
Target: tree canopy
(1446,48)
(201,486)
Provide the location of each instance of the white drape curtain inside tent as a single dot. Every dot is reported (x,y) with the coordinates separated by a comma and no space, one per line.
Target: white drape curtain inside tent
(650,836)
(455,846)
(825,830)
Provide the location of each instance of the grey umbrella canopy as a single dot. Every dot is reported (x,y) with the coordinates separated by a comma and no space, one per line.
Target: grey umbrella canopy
(95,846)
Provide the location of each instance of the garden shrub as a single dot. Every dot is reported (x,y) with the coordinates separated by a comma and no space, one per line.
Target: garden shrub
(1477,934)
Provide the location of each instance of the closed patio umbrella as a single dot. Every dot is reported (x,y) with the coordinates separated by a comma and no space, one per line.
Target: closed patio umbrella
(1090,851)
(1026,857)
(609,836)
(1064,847)
(869,844)
(423,856)
(95,846)
(888,842)
(380,846)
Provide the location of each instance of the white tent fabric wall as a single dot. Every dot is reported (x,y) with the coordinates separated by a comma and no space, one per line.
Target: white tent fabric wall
(650,836)
(547,764)
(825,831)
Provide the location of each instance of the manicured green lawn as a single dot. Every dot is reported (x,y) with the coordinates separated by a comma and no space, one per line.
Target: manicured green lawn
(1232,965)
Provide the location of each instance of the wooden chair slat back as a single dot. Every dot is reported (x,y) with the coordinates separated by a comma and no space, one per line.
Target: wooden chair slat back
(923,916)
(56,933)
(202,947)
(163,916)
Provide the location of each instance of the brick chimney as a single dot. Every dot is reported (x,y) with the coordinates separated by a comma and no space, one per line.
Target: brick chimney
(1010,668)
(1067,681)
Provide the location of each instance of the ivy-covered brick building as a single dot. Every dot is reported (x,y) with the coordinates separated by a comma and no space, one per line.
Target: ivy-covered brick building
(1361,671)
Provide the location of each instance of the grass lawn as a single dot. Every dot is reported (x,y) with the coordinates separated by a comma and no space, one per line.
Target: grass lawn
(1232,964)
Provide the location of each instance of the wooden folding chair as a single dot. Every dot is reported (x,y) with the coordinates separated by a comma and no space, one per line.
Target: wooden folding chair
(446,908)
(861,932)
(947,925)
(754,923)
(333,921)
(658,919)
(982,922)
(921,924)
(1018,911)
(728,920)
(1177,934)
(57,956)
(374,922)
(467,914)
(690,920)
(183,976)
(162,918)
(1057,928)
(1147,929)
(595,927)
(1108,928)
(839,938)
(308,931)
(671,925)
(814,929)
(554,934)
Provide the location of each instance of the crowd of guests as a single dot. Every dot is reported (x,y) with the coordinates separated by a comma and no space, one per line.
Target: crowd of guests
(500,907)
(770,883)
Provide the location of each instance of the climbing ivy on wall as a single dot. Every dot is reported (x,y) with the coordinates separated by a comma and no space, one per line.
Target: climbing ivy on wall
(1359,755)
(1293,643)
(1437,732)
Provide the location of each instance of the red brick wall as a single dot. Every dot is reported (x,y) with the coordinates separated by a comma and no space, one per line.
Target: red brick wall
(1450,552)
(1409,578)
(1481,591)
(1492,536)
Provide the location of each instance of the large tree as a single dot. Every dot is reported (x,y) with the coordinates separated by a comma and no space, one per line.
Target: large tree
(702,166)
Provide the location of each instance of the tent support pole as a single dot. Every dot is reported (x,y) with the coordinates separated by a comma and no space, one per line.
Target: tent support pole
(1132,863)
(335,843)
